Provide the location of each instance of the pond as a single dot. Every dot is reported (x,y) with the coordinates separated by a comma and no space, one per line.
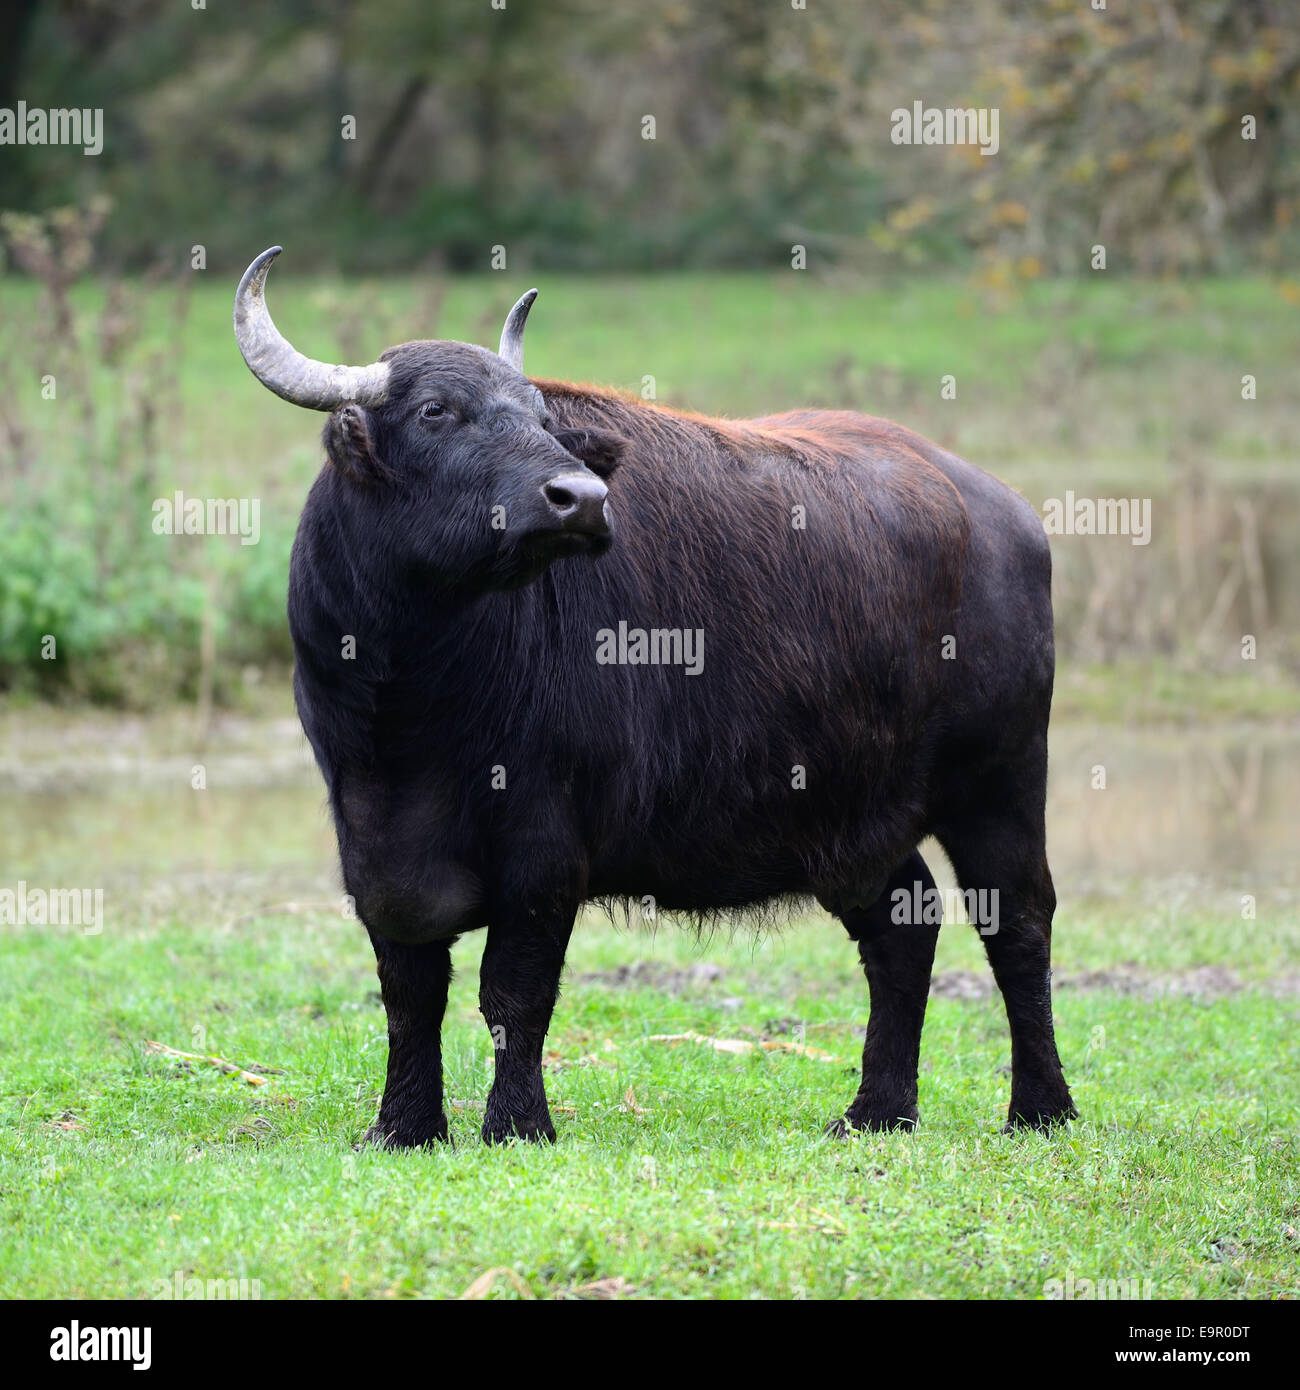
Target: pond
(110,801)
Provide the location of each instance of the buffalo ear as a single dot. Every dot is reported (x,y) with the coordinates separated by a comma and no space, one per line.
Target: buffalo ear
(350,444)
(601,451)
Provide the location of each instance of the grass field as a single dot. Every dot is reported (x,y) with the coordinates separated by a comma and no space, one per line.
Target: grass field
(680,1170)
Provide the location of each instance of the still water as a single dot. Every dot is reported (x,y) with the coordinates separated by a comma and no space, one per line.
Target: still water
(111,801)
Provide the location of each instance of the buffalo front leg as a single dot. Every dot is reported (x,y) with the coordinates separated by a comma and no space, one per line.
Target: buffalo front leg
(897,957)
(519,982)
(413,981)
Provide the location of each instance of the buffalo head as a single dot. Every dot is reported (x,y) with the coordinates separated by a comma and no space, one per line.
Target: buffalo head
(444,451)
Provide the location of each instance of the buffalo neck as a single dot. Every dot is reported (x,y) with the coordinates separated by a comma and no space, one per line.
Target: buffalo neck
(372,636)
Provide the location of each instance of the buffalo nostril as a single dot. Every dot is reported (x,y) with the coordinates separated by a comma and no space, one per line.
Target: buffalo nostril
(561,498)
(578,502)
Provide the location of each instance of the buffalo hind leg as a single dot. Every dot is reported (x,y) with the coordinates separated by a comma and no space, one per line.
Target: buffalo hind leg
(519,982)
(897,958)
(413,981)
(1001,856)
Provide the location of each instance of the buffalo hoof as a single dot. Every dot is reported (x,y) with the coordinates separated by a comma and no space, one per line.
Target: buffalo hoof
(384,1136)
(870,1124)
(1041,1119)
(507,1131)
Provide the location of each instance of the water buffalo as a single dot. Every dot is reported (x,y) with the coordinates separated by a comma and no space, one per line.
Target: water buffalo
(554,644)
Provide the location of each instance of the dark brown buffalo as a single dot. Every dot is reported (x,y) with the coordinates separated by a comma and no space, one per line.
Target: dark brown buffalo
(876,668)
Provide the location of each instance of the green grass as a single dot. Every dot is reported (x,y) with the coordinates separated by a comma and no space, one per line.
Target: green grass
(1103,373)
(1156,691)
(1104,386)
(679,1171)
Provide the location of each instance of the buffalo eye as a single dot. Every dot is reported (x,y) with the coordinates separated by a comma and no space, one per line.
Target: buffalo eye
(431,410)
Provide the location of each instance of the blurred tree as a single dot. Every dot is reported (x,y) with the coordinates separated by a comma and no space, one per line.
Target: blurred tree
(523,125)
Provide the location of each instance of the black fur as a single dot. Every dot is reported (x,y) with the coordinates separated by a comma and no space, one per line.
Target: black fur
(486,771)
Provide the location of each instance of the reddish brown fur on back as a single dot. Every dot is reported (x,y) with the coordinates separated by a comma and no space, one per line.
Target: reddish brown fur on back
(835,451)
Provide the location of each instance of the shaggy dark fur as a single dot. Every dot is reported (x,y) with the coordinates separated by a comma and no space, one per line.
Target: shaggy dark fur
(878,673)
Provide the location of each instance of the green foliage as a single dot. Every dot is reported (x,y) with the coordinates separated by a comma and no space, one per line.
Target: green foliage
(130,632)
(93,602)
(523,127)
